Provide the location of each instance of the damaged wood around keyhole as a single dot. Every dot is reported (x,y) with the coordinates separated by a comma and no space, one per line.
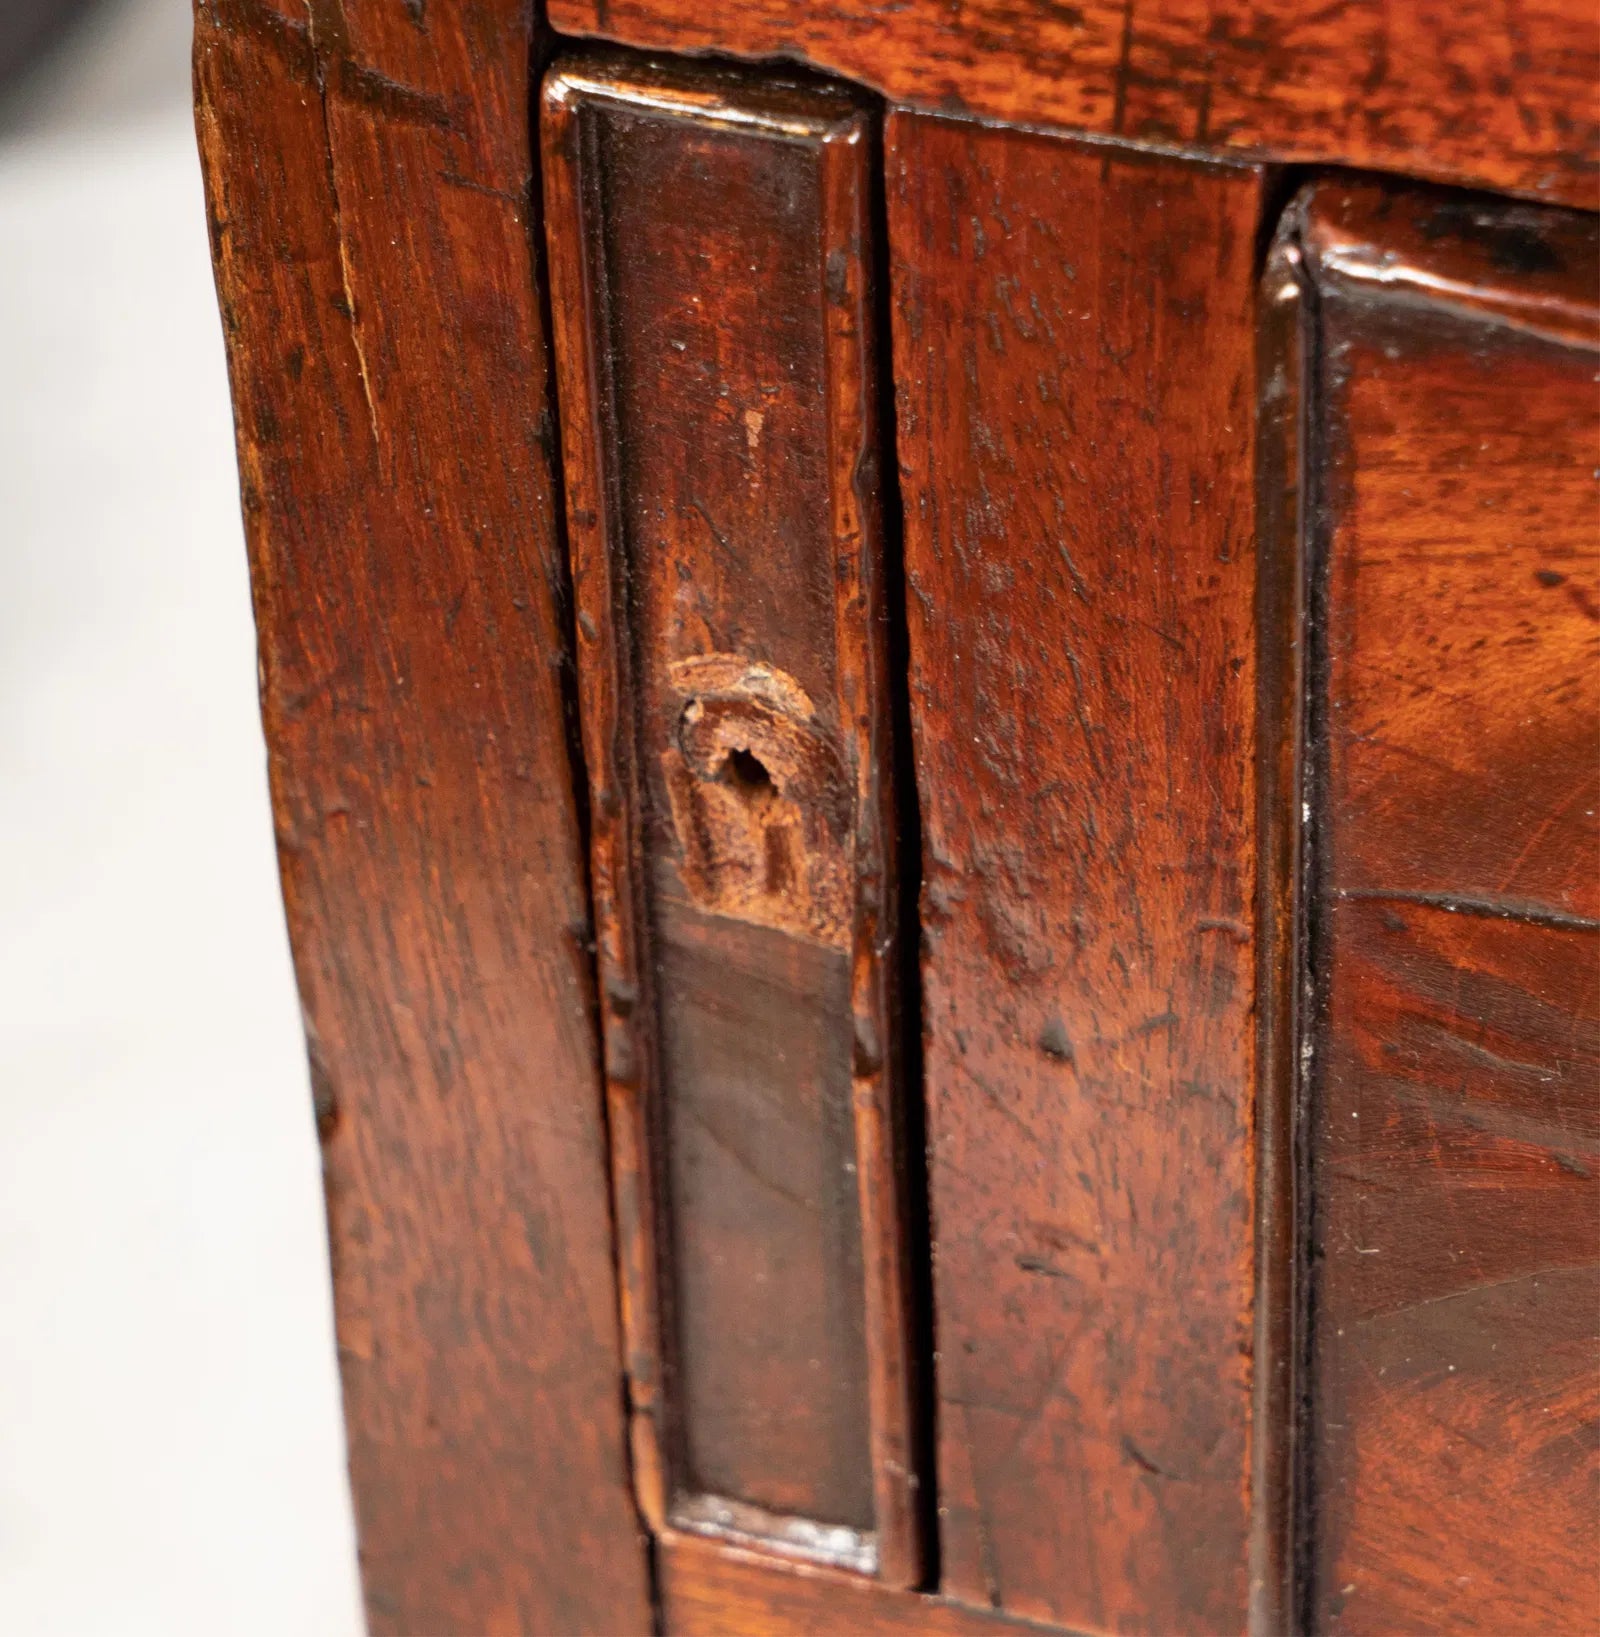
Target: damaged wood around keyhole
(761,800)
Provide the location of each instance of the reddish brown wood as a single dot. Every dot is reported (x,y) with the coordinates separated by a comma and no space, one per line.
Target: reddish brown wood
(368,178)
(1074,354)
(1285,316)
(711,1591)
(1455,1366)
(708,245)
(1475,92)
(1109,688)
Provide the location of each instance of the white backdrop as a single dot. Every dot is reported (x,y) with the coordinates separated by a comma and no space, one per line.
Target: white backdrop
(171,1457)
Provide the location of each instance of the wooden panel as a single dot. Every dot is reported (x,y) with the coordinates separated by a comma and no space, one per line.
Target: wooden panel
(1285,316)
(367,180)
(1074,353)
(709,244)
(713,1591)
(1475,91)
(1455,1364)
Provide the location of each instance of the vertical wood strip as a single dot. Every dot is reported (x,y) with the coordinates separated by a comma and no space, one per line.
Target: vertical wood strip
(711,263)
(863,684)
(369,180)
(1075,366)
(1286,344)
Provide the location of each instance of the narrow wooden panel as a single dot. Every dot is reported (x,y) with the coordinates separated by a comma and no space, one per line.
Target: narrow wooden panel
(1455,1366)
(709,1590)
(368,182)
(1285,318)
(708,245)
(1474,92)
(1074,357)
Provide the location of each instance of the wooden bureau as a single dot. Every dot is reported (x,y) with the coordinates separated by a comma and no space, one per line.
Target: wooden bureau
(930,671)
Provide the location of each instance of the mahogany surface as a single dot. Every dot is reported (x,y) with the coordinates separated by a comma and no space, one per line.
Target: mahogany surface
(1454,1121)
(1474,92)
(368,188)
(1075,375)
(710,254)
(1058,644)
(712,1591)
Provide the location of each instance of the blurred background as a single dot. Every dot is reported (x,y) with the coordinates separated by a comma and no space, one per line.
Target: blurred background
(171,1454)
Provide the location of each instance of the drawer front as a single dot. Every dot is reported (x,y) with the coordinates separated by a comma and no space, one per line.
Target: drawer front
(1452,1111)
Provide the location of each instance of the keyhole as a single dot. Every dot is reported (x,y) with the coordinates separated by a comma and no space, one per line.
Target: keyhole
(748,774)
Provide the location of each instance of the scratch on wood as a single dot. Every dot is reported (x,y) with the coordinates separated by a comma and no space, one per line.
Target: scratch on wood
(1235,929)
(1145,1464)
(1501,909)
(1119,107)
(404,104)
(355,321)
(328,37)
(1038,1264)
(454,179)
(288,41)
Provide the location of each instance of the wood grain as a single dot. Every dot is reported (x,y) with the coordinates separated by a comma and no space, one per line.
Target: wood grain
(1473,92)
(1075,367)
(711,1591)
(710,255)
(1285,316)
(368,180)
(1455,1366)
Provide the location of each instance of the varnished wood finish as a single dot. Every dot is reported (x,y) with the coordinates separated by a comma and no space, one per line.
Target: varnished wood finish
(709,253)
(1476,92)
(1254,689)
(1455,1367)
(1285,310)
(709,1591)
(1529,269)
(368,176)
(1074,357)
